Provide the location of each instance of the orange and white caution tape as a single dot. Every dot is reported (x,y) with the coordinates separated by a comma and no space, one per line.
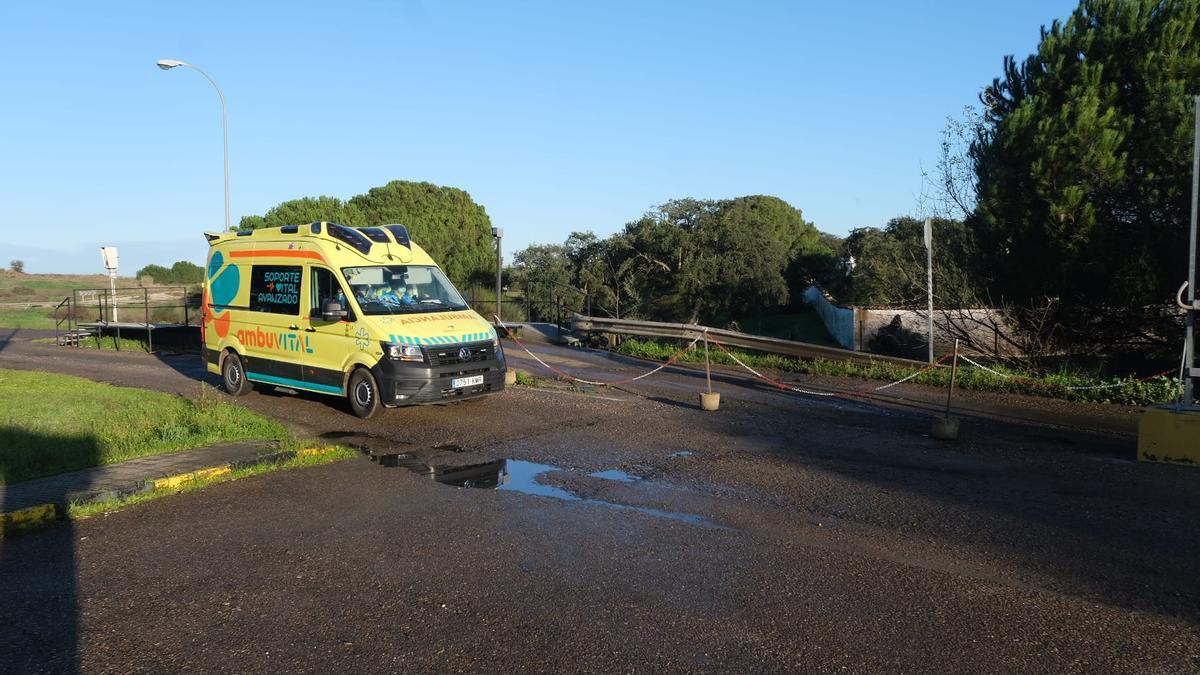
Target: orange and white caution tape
(809,392)
(564,374)
(980,366)
(777,383)
(1114,385)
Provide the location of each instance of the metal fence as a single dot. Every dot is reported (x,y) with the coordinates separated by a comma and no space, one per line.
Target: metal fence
(687,331)
(157,305)
(520,305)
(140,312)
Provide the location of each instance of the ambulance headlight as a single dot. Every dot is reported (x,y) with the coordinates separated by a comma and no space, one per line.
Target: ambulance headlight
(496,348)
(400,352)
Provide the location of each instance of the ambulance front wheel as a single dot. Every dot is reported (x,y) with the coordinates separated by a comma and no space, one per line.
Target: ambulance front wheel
(234,375)
(363,392)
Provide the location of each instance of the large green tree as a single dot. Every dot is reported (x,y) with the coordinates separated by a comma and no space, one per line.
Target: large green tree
(890,265)
(1083,168)
(445,221)
(182,272)
(543,273)
(709,260)
(783,223)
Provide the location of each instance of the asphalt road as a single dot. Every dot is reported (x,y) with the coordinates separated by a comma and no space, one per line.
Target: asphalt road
(782,532)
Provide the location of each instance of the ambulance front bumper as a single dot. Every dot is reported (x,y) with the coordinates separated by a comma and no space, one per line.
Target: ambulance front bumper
(403,383)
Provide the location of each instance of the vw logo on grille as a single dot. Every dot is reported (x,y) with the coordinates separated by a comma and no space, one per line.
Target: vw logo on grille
(464,354)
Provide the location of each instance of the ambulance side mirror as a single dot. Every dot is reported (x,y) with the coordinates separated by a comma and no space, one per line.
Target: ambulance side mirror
(332,310)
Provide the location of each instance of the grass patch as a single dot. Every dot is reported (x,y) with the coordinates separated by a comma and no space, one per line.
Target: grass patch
(52,423)
(41,287)
(1129,391)
(526,380)
(36,317)
(324,456)
(108,343)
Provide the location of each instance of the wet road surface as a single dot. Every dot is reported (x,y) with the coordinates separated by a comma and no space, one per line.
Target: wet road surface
(630,531)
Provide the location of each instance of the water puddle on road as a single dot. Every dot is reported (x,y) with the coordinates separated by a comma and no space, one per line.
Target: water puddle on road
(485,475)
(617,475)
(514,475)
(522,477)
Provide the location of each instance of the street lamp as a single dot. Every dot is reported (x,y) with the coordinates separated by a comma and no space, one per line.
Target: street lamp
(167,64)
(498,233)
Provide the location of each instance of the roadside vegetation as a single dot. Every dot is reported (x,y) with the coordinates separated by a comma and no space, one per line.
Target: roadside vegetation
(107,343)
(21,287)
(39,318)
(27,300)
(53,423)
(524,379)
(182,273)
(1129,391)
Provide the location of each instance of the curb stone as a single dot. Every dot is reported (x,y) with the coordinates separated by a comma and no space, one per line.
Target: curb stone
(33,517)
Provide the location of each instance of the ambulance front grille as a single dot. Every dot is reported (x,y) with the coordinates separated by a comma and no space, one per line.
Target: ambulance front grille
(448,355)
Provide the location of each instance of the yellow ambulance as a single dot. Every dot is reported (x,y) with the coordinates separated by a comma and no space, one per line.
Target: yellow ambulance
(357,312)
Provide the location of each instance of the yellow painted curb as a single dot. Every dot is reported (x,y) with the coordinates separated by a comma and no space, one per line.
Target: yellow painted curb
(1168,436)
(181,478)
(32,515)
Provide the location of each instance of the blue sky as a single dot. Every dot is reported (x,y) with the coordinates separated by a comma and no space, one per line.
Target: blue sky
(555,116)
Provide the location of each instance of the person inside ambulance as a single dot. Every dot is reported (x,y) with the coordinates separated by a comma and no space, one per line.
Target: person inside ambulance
(362,292)
(397,293)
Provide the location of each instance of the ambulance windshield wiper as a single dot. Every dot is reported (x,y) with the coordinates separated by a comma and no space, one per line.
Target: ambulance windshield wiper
(422,308)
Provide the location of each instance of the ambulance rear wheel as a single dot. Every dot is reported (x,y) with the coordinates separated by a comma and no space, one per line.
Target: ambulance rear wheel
(234,376)
(363,392)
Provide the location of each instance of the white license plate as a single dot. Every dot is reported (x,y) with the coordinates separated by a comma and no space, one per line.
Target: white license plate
(466,381)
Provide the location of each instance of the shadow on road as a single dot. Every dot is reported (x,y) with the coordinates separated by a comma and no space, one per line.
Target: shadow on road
(1097,527)
(5,339)
(39,597)
(189,365)
(1032,415)
(193,367)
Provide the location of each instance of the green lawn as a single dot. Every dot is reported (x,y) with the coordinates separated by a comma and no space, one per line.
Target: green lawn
(107,343)
(41,287)
(54,423)
(26,318)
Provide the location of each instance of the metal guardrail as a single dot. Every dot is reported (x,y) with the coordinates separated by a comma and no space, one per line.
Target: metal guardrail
(688,331)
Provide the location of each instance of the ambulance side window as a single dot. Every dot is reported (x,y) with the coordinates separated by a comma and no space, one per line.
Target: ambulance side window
(275,289)
(324,286)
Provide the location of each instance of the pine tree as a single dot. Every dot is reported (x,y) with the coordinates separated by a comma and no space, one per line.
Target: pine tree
(1084,170)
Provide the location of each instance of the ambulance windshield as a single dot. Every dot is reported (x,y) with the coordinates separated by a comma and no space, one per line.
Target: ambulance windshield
(402,289)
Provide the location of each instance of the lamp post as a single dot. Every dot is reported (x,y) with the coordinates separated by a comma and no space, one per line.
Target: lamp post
(167,64)
(498,233)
